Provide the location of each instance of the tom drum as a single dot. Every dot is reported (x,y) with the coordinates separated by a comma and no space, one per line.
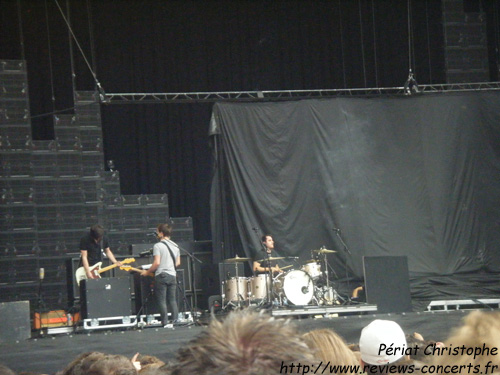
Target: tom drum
(313,269)
(234,287)
(258,286)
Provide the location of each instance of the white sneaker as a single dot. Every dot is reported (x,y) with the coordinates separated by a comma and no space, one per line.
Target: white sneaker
(169,325)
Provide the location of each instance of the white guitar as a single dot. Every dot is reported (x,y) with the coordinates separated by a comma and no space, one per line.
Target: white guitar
(96,270)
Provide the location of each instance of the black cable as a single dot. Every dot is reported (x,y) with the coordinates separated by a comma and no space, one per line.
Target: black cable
(374,45)
(409,36)
(362,42)
(21,35)
(71,58)
(99,88)
(59,111)
(49,48)
(342,46)
(428,39)
(91,37)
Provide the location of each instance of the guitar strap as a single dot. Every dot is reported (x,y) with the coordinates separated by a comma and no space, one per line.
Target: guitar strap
(171,254)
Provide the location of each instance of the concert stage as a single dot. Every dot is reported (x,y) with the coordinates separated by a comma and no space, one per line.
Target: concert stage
(52,353)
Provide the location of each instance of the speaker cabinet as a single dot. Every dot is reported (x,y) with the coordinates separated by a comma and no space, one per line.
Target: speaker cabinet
(145,302)
(15,318)
(106,297)
(210,279)
(387,283)
(72,286)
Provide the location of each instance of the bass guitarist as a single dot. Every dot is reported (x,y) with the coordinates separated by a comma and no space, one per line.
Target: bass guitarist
(92,246)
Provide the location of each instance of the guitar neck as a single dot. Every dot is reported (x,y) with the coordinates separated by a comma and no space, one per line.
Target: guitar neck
(107,268)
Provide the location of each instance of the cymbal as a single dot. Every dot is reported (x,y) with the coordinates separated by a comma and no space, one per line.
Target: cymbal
(324,251)
(270,259)
(236,260)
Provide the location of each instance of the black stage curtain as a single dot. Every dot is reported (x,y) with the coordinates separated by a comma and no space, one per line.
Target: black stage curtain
(414,176)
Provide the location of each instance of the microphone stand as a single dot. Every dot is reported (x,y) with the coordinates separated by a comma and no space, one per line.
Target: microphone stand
(40,302)
(270,281)
(347,251)
(193,279)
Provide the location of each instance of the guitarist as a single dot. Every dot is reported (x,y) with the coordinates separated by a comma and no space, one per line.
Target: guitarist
(166,259)
(92,246)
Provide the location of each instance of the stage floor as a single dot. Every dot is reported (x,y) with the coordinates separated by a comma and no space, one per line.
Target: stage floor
(52,353)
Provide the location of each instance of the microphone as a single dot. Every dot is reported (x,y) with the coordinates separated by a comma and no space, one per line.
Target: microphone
(41,273)
(336,230)
(255,228)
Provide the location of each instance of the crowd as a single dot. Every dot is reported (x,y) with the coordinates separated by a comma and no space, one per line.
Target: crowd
(248,342)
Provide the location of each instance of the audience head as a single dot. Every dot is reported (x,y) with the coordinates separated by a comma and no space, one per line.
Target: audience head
(97,363)
(155,370)
(4,370)
(479,328)
(112,364)
(244,343)
(379,333)
(148,362)
(329,346)
(81,364)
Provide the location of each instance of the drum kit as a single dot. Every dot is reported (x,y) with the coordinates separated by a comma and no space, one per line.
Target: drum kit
(308,285)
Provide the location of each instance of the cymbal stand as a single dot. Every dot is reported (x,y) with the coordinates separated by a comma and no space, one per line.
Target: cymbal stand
(269,281)
(327,266)
(223,293)
(239,297)
(238,293)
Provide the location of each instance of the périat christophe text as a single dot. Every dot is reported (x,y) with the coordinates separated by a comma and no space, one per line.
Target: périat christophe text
(429,350)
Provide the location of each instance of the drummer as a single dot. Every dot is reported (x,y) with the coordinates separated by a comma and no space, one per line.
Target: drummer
(261,266)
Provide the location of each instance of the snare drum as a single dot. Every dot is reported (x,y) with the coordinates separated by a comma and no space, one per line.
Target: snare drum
(296,286)
(313,269)
(235,286)
(258,286)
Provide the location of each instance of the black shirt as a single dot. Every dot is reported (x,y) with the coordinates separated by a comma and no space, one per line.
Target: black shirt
(263,263)
(93,248)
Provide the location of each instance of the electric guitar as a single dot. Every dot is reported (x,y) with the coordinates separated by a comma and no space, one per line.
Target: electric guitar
(96,270)
(129,268)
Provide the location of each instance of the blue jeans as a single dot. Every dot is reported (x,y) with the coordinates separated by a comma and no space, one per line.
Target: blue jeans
(165,292)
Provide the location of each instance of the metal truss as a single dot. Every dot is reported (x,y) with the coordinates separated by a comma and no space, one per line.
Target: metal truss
(238,96)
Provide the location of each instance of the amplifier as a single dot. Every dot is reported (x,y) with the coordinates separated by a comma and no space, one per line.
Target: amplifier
(106,297)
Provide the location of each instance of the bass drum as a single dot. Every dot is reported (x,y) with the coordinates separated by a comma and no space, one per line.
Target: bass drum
(295,287)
